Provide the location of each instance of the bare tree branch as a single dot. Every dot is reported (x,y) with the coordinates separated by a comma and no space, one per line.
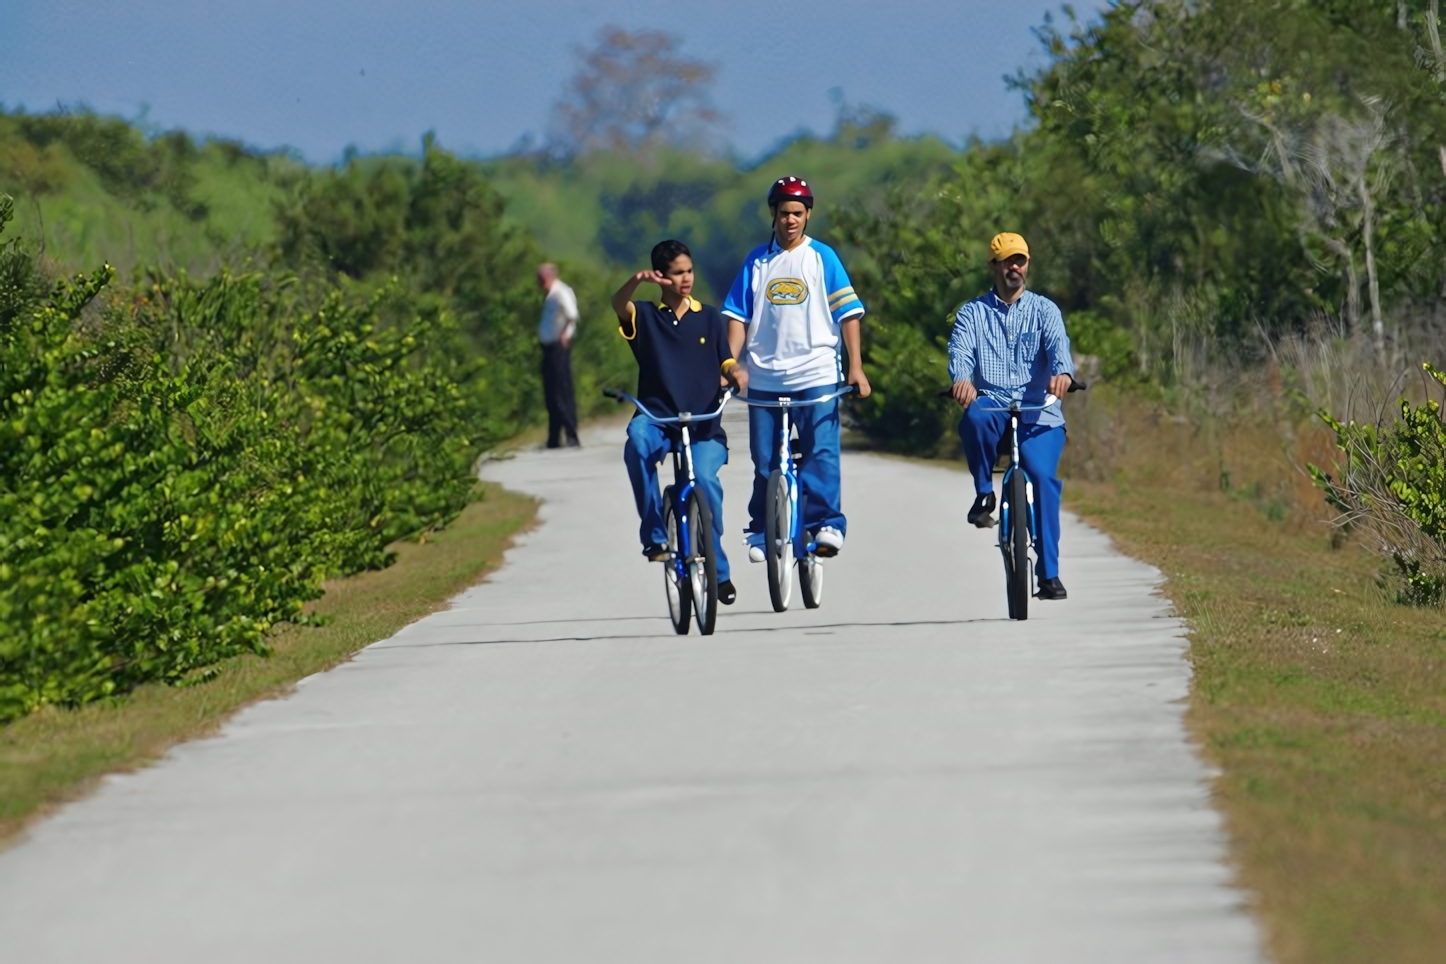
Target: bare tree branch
(1340,165)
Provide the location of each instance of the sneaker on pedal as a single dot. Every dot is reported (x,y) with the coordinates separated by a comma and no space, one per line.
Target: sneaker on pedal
(1051,588)
(655,552)
(754,542)
(981,514)
(828,542)
(726,593)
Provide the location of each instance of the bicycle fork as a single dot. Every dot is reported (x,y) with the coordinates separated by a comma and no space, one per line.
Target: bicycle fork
(1015,465)
(683,463)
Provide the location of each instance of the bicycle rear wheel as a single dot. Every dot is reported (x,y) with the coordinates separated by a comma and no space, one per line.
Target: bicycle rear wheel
(1019,525)
(702,563)
(675,580)
(778,531)
(810,580)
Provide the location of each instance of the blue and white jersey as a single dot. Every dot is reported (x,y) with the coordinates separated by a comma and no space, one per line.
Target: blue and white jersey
(1010,352)
(793,303)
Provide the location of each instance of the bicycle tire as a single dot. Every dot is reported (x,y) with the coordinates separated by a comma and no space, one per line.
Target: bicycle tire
(1019,536)
(680,597)
(702,564)
(1006,549)
(778,547)
(810,581)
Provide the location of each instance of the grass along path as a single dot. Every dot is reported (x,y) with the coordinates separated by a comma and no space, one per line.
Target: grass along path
(57,754)
(1322,702)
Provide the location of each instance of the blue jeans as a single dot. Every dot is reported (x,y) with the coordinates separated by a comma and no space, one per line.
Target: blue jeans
(818,471)
(648,445)
(1039,450)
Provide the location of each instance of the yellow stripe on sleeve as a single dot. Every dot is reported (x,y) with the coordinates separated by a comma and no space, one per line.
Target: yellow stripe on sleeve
(840,296)
(633,318)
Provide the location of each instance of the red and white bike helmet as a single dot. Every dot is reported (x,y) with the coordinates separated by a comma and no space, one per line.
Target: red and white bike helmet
(790,189)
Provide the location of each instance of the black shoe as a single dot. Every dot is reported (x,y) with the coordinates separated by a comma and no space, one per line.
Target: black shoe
(655,552)
(726,592)
(1051,588)
(981,514)
(573,443)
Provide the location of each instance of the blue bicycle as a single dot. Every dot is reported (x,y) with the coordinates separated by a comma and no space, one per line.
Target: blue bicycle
(690,568)
(1016,504)
(785,542)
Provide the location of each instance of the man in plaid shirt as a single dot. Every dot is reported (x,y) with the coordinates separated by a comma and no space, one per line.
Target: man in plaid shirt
(1007,346)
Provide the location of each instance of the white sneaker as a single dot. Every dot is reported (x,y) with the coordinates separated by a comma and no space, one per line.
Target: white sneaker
(755,554)
(754,542)
(828,542)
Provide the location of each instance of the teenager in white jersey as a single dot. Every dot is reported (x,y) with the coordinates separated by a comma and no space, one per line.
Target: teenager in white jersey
(789,313)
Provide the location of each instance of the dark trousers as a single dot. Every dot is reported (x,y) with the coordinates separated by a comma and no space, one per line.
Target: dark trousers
(557,390)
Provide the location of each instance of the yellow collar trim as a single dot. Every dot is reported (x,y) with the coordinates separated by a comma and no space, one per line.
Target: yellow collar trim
(693,304)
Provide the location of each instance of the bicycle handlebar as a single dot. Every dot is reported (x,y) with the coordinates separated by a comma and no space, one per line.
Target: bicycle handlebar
(681,418)
(1016,407)
(1075,385)
(795,402)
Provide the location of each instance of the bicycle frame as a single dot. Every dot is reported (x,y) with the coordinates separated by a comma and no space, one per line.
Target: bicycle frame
(785,458)
(1014,578)
(682,465)
(1015,465)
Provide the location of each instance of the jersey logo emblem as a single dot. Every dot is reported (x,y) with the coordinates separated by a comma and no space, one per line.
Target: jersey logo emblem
(787,291)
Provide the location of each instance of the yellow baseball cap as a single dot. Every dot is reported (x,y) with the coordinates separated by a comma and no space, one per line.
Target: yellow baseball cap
(1007,246)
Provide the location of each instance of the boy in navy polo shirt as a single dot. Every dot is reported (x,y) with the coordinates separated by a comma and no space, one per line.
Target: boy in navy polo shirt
(682,348)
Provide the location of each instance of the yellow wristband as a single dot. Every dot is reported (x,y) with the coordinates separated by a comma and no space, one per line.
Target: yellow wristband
(728,364)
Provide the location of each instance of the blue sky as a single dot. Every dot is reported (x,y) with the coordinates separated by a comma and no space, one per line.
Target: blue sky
(319,75)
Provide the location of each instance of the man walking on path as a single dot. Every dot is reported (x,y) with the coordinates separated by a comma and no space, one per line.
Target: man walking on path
(559,324)
(1010,346)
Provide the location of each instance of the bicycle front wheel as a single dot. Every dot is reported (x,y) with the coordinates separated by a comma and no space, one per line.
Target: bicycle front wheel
(702,563)
(675,579)
(1019,538)
(1006,551)
(778,531)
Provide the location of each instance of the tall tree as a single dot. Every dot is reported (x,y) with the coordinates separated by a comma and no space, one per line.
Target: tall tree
(634,90)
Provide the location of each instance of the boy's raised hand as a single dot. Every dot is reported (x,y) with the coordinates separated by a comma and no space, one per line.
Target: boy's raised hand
(622,301)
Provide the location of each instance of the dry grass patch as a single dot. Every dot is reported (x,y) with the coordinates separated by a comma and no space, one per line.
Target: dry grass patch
(1318,696)
(58,754)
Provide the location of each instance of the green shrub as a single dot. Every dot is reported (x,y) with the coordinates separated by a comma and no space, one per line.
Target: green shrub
(130,166)
(1391,482)
(904,413)
(182,464)
(1093,336)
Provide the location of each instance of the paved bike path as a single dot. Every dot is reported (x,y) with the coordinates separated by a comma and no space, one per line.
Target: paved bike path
(545,772)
